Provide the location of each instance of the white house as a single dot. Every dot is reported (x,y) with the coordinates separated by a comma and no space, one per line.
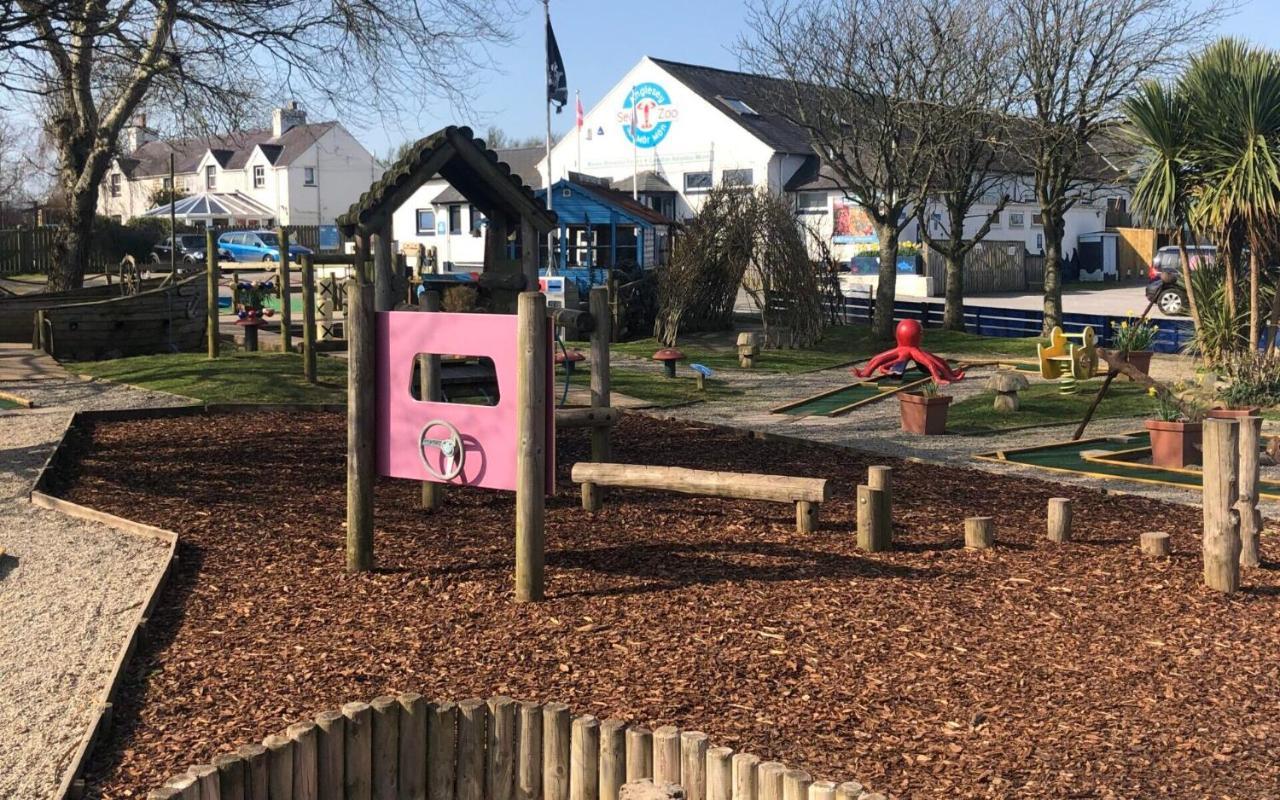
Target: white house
(293,173)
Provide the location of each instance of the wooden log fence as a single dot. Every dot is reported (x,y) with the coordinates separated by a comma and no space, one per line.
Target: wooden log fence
(406,747)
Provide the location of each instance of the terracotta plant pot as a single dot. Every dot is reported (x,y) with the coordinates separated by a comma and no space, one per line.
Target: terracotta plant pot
(1234,413)
(1174,444)
(925,415)
(1139,360)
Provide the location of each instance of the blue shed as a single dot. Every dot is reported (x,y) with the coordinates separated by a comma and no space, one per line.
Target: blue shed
(602,228)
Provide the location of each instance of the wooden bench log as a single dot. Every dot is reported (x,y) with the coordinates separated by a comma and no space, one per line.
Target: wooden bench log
(807,493)
(586,417)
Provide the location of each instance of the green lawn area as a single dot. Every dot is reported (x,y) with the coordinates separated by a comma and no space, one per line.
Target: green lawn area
(653,387)
(233,378)
(840,345)
(1043,405)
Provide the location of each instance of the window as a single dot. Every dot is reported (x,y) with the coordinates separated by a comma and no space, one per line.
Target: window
(1040,242)
(426,222)
(1037,219)
(737,177)
(455,220)
(739,106)
(211,177)
(477,221)
(115,185)
(259,176)
(308,176)
(1017,219)
(166,183)
(697,181)
(811,203)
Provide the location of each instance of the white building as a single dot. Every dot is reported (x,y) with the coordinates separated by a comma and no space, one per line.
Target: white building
(293,173)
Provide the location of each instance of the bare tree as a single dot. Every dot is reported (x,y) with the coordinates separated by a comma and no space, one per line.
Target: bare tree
(968,132)
(86,68)
(1077,61)
(860,76)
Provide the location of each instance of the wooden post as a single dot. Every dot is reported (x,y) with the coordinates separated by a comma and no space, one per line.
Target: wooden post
(286,288)
(279,766)
(598,304)
(531,453)
(881,477)
(361,426)
(256,774)
(744,776)
(303,736)
(429,389)
(639,754)
(330,749)
(613,758)
(979,533)
(1221,493)
(500,752)
(584,763)
(769,780)
(806,516)
(693,764)
(822,790)
(556,750)
(874,532)
(529,752)
(720,773)
(1059,519)
(473,723)
(413,747)
(212,283)
(442,731)
(384,284)
(850,790)
(231,778)
(666,755)
(206,776)
(1250,516)
(795,785)
(529,253)
(385,750)
(1155,543)
(358,760)
(308,319)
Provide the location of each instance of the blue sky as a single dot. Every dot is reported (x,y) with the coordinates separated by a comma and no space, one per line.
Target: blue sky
(601,39)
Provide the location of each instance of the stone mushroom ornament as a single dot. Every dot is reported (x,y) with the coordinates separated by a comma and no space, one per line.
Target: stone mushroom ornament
(1006,384)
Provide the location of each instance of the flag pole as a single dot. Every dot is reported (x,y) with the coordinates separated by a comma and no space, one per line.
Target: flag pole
(577,98)
(552,259)
(635,149)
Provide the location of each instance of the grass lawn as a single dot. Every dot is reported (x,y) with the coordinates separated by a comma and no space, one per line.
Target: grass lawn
(839,345)
(653,387)
(1043,405)
(233,378)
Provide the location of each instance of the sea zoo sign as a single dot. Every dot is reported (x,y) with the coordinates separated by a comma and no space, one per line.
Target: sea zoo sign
(654,114)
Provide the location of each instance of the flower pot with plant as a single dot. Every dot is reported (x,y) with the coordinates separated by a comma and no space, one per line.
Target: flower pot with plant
(1134,338)
(1252,384)
(1175,433)
(925,411)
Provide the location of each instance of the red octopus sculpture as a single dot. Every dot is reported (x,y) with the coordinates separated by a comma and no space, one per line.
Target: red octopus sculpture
(909,334)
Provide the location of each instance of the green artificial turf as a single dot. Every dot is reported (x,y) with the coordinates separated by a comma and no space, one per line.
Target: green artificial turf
(1042,404)
(653,387)
(233,378)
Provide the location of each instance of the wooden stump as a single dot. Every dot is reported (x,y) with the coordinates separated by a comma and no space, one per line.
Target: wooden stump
(584,762)
(280,767)
(807,516)
(719,774)
(500,753)
(795,784)
(744,776)
(556,751)
(639,754)
(874,524)
(769,780)
(613,758)
(693,764)
(303,736)
(1155,543)
(473,722)
(979,533)
(442,733)
(529,752)
(666,755)
(359,755)
(330,745)
(1221,493)
(1250,516)
(881,477)
(412,766)
(1059,519)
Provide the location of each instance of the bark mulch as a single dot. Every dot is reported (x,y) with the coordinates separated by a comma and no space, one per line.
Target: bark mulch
(1033,670)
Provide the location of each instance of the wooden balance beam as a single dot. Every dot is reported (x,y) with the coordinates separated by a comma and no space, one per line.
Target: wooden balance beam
(808,494)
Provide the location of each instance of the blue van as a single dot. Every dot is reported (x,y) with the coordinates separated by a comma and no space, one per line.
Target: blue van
(257,246)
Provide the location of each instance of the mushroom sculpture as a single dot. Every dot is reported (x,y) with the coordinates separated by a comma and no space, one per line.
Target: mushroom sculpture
(668,356)
(569,359)
(1006,384)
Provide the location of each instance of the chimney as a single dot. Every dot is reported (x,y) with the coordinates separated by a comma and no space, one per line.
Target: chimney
(136,134)
(291,116)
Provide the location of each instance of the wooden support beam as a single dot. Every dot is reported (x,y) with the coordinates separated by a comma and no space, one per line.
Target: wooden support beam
(286,287)
(739,485)
(1250,516)
(384,274)
(1221,541)
(598,303)
(211,302)
(568,418)
(529,241)
(429,389)
(361,425)
(531,444)
(308,319)
(581,321)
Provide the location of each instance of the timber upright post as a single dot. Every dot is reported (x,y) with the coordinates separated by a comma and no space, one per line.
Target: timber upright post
(286,303)
(601,335)
(1250,516)
(429,383)
(1221,541)
(531,444)
(361,410)
(212,281)
(308,318)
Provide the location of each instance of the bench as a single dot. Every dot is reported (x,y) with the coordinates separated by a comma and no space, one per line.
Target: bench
(808,494)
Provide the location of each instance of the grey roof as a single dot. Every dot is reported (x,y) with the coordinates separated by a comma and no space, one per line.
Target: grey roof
(232,150)
(650,181)
(213,204)
(523,163)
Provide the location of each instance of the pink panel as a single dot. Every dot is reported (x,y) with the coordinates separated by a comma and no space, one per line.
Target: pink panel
(488,432)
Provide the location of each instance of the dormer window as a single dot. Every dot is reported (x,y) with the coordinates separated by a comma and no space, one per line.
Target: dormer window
(210,177)
(739,106)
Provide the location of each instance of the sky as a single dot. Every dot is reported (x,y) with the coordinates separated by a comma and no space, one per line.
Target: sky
(601,39)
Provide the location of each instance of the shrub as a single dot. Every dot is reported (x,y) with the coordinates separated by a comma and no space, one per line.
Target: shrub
(1134,336)
(1253,380)
(459,299)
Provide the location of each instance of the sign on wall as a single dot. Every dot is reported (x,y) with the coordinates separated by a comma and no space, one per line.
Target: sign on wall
(851,225)
(654,114)
(327,237)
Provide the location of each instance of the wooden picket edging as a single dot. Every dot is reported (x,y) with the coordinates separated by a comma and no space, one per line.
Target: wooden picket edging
(499,749)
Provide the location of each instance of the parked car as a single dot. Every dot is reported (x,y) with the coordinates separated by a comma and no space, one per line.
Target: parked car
(1167,288)
(256,246)
(190,250)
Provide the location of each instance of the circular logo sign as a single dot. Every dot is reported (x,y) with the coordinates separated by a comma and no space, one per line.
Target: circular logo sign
(654,114)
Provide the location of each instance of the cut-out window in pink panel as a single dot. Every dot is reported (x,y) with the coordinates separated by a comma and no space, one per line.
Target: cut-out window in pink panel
(488,433)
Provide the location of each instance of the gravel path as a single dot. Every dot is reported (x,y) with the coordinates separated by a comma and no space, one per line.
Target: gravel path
(69,589)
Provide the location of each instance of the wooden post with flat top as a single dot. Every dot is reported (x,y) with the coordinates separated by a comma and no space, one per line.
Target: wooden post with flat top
(1221,541)
(286,288)
(429,390)
(361,425)
(531,444)
(1250,516)
(212,281)
(308,319)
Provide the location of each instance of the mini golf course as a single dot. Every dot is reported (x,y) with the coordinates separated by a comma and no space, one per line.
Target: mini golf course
(840,401)
(1111,457)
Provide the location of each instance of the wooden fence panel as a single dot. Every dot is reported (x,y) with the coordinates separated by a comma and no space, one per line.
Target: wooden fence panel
(991,266)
